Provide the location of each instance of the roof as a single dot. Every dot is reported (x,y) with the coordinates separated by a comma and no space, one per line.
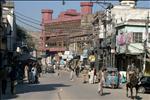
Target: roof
(133,22)
(138,20)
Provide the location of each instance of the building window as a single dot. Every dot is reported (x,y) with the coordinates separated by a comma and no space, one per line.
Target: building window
(52,44)
(59,44)
(137,37)
(65,44)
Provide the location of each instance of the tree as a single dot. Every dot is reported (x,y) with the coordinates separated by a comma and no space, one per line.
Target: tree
(22,36)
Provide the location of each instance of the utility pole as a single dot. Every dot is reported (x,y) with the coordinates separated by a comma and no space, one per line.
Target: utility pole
(145,43)
(105,20)
(107,23)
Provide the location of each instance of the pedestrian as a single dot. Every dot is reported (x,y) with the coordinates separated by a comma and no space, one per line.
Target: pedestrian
(101,78)
(92,59)
(77,71)
(26,69)
(72,66)
(34,73)
(57,68)
(85,73)
(39,69)
(29,72)
(4,81)
(4,86)
(72,75)
(91,74)
(77,67)
(95,76)
(13,76)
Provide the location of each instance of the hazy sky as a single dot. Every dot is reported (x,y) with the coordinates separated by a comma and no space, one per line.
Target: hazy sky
(33,8)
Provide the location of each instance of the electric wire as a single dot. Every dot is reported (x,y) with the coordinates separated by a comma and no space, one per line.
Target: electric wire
(28,20)
(27,16)
(20,20)
(29,24)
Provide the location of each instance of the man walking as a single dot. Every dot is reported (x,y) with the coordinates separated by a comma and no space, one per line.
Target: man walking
(92,60)
(4,80)
(101,78)
(13,76)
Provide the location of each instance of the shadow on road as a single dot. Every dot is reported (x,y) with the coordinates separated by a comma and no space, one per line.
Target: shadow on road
(138,98)
(26,88)
(9,96)
(38,87)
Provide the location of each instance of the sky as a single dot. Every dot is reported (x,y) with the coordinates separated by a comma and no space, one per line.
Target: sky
(32,9)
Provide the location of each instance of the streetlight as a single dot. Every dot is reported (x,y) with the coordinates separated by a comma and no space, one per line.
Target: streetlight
(46,45)
(18,50)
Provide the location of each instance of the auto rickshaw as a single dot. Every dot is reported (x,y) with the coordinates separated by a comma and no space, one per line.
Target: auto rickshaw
(112,78)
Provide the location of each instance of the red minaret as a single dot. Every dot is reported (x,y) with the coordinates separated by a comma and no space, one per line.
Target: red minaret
(86,7)
(46,15)
(46,19)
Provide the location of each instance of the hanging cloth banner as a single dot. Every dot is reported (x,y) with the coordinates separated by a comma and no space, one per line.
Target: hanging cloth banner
(121,39)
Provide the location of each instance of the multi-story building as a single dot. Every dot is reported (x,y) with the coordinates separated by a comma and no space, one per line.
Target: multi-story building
(1,35)
(10,25)
(65,32)
(8,19)
(131,33)
(2,48)
(127,22)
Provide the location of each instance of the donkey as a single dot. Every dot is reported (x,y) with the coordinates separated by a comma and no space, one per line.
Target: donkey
(132,83)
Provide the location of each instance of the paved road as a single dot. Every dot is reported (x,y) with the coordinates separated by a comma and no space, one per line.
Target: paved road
(53,87)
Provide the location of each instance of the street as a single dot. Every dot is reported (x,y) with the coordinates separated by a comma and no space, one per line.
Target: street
(53,87)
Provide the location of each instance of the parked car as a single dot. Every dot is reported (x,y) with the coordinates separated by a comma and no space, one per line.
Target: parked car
(112,79)
(144,84)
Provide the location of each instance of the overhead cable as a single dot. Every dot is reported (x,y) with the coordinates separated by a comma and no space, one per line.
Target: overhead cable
(28,20)
(26,16)
(28,24)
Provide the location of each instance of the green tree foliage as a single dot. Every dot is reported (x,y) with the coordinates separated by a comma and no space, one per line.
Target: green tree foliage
(22,35)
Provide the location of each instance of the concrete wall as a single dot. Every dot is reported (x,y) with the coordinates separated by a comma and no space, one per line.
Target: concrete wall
(9,15)
(123,14)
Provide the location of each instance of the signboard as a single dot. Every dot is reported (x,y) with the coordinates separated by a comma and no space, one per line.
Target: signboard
(67,52)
